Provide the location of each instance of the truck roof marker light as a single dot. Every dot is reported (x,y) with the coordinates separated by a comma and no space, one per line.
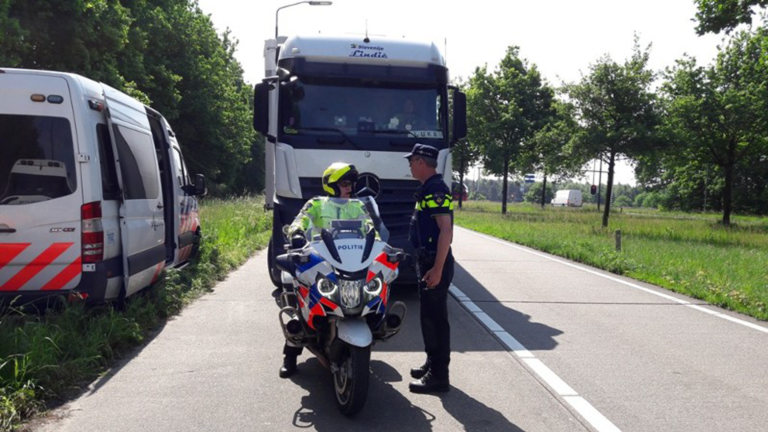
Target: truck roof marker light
(55,99)
(38,98)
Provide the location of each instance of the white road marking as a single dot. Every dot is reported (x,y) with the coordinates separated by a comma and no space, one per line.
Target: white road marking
(589,412)
(550,378)
(629,284)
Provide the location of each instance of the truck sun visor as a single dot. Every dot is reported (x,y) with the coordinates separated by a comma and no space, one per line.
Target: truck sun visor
(428,74)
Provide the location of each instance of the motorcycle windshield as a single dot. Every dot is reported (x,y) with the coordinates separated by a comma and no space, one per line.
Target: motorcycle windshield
(347,219)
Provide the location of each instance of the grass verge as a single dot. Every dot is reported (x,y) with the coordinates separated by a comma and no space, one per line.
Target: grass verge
(690,254)
(43,356)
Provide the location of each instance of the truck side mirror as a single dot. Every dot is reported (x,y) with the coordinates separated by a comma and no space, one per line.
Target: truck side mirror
(200,189)
(261,108)
(459,116)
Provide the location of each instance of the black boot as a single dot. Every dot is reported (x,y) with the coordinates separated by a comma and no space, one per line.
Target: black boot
(420,371)
(429,383)
(289,366)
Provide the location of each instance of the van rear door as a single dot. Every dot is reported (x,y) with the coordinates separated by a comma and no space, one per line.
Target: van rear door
(142,226)
(40,194)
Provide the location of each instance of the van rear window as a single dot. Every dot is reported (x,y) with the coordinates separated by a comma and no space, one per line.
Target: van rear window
(37,159)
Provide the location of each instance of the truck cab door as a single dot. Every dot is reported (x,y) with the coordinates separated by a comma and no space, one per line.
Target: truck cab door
(142,224)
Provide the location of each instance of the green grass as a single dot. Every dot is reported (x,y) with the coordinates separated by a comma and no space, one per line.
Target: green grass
(42,357)
(692,254)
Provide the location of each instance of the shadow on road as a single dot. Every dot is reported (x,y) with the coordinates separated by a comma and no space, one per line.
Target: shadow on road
(386,408)
(533,335)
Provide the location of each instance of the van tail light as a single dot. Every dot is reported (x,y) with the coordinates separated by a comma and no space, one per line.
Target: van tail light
(93,232)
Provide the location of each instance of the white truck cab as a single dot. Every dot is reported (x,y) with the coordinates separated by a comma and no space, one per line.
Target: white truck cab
(94,194)
(348,99)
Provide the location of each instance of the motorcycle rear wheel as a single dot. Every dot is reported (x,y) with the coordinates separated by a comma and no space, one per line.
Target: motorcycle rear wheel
(350,381)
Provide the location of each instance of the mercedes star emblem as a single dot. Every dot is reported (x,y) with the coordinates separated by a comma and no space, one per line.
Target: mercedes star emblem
(368,185)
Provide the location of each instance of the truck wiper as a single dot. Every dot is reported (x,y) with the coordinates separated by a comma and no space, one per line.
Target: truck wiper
(336,130)
(393,132)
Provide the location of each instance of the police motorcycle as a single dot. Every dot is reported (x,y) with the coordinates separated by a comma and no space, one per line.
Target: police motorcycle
(337,301)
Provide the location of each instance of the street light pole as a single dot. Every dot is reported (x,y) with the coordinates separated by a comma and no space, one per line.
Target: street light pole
(311,3)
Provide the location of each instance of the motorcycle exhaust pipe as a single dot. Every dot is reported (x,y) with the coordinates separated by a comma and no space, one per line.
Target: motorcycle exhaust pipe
(293,326)
(392,322)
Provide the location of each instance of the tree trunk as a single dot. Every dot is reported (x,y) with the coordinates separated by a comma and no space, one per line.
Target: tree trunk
(505,187)
(609,189)
(544,191)
(461,183)
(728,190)
(727,196)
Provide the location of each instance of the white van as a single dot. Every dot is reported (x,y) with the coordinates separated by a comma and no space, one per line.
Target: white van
(94,194)
(567,198)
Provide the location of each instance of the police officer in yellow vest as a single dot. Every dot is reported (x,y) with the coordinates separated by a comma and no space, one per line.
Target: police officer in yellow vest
(431,234)
(338,181)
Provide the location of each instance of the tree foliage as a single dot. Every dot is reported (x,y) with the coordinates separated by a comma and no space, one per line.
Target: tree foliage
(718,115)
(714,16)
(617,112)
(505,109)
(166,53)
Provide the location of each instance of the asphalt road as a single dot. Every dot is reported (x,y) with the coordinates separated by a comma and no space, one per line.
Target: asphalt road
(539,344)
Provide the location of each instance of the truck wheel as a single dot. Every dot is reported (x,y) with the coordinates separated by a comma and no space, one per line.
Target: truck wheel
(274,272)
(350,381)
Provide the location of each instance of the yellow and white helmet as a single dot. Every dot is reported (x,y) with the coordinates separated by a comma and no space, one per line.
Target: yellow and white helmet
(335,173)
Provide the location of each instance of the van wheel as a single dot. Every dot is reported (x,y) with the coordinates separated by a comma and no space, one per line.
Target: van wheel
(274,272)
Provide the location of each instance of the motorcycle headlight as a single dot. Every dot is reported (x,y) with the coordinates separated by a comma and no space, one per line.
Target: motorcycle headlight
(350,293)
(326,287)
(374,287)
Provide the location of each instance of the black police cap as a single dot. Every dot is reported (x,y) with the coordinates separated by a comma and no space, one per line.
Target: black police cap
(423,150)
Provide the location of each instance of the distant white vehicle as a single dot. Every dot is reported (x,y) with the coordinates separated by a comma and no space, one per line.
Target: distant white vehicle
(567,198)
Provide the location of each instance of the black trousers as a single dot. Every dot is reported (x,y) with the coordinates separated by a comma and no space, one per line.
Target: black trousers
(435,328)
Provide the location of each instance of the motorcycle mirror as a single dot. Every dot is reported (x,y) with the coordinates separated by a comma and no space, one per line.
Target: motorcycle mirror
(395,257)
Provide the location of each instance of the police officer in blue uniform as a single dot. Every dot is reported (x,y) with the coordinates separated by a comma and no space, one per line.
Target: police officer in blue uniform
(431,234)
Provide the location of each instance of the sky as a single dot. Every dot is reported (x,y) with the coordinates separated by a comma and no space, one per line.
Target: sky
(562,37)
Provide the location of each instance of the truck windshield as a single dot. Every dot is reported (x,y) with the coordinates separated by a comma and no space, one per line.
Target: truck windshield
(362,110)
(37,161)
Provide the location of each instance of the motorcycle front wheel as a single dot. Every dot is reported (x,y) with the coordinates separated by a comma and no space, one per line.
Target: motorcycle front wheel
(350,381)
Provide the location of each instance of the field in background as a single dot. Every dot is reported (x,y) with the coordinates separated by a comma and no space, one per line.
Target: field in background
(42,357)
(688,253)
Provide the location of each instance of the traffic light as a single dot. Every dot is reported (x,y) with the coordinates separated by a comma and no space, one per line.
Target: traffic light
(593,190)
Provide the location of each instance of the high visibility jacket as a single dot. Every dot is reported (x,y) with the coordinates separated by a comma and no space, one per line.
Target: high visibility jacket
(320,211)
(433,198)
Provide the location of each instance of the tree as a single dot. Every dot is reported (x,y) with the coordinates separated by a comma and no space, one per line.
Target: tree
(550,152)
(538,190)
(717,15)
(165,53)
(617,112)
(464,154)
(718,114)
(506,108)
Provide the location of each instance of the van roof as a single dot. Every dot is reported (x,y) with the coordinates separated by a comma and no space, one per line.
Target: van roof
(92,88)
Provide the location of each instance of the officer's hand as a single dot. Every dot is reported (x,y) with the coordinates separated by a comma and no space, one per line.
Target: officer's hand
(298,241)
(433,277)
